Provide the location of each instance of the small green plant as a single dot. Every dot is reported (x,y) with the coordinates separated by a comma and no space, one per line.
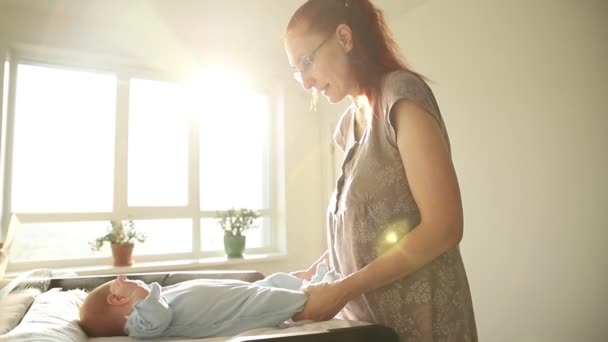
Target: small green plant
(236,221)
(119,232)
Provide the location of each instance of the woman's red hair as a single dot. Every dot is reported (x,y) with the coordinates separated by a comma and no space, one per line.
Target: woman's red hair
(374,52)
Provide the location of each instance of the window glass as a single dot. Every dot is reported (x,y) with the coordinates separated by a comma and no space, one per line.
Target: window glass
(63,158)
(158,144)
(57,240)
(164,236)
(233,154)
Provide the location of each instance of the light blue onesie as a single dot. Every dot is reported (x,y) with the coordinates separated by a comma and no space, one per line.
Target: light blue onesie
(212,307)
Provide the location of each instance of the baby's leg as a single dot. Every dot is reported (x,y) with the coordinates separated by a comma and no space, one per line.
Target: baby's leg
(290,282)
(282,280)
(323,274)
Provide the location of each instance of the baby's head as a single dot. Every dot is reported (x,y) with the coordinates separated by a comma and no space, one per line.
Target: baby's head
(102,314)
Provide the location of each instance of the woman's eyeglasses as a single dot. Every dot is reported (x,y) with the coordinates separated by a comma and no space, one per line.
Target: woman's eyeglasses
(307,61)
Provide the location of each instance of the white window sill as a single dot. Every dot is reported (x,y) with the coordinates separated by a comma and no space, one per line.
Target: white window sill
(170,266)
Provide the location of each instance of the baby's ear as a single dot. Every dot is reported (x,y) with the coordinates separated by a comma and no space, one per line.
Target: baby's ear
(113,299)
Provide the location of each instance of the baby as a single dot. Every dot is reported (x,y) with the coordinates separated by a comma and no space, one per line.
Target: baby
(195,308)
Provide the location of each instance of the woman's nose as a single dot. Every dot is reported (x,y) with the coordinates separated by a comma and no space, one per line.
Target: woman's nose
(307,82)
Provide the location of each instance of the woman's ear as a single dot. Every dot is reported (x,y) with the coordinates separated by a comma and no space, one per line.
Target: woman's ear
(345,37)
(113,299)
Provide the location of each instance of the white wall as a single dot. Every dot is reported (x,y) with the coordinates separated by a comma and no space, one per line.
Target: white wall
(522,86)
(178,38)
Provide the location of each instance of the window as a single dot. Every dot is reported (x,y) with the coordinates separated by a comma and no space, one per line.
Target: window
(158,144)
(90,146)
(236,174)
(63,158)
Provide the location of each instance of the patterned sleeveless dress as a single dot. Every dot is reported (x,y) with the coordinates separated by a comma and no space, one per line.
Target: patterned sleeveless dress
(372,199)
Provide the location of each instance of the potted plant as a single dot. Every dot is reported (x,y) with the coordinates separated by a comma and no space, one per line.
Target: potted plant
(121,235)
(234,223)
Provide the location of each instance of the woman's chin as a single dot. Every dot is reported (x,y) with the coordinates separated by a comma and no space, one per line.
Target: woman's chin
(335,100)
(332,98)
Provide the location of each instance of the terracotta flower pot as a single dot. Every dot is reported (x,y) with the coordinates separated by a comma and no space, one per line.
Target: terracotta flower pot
(122,254)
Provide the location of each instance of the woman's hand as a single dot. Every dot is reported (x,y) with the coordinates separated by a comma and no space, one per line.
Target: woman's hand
(325,300)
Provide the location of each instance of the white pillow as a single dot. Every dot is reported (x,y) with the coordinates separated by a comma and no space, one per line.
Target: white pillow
(53,317)
(13,306)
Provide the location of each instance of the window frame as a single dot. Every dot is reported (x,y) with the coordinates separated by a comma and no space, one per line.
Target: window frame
(125,69)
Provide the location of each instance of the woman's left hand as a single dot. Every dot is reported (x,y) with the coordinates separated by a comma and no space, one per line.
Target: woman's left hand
(325,300)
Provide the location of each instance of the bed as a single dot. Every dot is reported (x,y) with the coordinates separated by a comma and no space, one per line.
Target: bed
(43,306)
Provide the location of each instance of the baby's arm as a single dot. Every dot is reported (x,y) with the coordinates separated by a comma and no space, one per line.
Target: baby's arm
(134,289)
(151,316)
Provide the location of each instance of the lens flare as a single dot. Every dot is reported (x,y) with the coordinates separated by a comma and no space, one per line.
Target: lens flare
(391,237)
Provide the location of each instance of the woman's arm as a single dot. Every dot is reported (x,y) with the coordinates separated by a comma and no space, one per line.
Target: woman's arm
(151,316)
(434,185)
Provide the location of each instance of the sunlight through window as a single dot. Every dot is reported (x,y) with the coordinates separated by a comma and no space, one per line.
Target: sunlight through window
(233,122)
(64,140)
(69,133)
(158,144)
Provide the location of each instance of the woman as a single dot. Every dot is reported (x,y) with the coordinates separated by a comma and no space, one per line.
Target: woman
(395,218)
